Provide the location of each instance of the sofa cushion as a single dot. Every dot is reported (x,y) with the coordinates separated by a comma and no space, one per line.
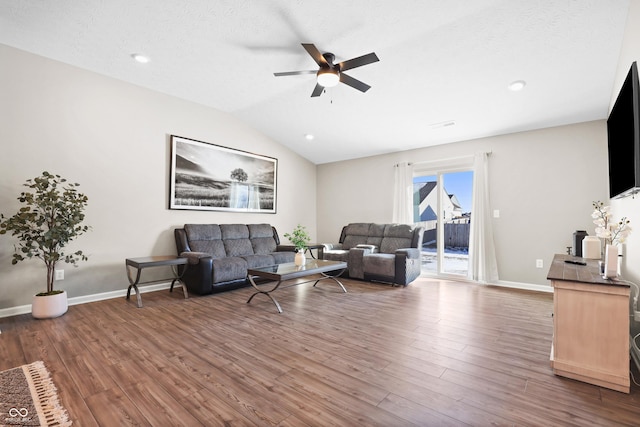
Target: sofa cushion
(282,257)
(260,230)
(262,241)
(376,232)
(234,231)
(355,234)
(256,261)
(380,264)
(236,239)
(205,238)
(396,236)
(263,245)
(238,247)
(229,268)
(398,230)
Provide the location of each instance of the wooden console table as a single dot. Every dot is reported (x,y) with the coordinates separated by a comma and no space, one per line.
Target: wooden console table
(590,324)
(138,264)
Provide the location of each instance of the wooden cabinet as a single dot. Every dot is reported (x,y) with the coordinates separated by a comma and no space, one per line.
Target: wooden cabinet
(591,325)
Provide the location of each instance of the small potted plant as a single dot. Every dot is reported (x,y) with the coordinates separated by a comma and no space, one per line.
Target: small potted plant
(49,219)
(300,238)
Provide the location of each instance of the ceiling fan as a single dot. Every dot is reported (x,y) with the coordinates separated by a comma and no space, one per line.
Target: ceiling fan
(330,74)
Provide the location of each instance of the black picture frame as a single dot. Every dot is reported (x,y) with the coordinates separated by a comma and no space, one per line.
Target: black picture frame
(211,177)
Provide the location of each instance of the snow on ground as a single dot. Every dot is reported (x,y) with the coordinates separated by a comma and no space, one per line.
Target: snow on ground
(456,260)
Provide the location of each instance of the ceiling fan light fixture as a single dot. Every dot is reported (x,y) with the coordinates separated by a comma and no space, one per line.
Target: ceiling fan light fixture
(328,77)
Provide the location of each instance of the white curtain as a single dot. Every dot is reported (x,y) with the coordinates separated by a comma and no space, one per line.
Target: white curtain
(482,253)
(403,194)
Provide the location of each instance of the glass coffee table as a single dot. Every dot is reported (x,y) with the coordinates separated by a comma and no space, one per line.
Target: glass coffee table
(288,271)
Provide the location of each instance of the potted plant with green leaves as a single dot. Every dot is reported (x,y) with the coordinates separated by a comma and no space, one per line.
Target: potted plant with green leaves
(49,219)
(299,238)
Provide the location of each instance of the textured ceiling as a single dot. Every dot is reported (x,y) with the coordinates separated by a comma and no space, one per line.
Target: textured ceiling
(439,61)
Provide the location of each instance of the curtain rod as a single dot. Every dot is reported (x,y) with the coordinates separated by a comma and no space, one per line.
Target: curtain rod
(449,159)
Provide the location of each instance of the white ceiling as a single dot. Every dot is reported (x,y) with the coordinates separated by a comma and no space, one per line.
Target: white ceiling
(440,60)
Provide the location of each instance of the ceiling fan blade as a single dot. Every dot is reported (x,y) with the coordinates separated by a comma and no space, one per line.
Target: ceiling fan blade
(317,91)
(354,83)
(295,73)
(315,54)
(359,61)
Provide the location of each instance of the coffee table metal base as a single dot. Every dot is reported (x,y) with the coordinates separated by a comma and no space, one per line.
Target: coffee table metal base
(315,267)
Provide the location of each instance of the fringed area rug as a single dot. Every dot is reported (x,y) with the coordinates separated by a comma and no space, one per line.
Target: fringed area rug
(28,398)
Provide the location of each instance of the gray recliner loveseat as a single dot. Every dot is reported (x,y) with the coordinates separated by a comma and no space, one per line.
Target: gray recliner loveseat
(387,253)
(220,254)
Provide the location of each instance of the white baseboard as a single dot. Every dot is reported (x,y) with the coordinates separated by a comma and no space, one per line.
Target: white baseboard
(24,309)
(525,286)
(503,283)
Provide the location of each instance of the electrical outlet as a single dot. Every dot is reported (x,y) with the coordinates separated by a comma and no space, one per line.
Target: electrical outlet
(496,213)
(59,274)
(539,263)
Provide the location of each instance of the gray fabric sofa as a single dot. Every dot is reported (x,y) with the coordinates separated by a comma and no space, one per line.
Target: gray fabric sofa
(220,254)
(387,253)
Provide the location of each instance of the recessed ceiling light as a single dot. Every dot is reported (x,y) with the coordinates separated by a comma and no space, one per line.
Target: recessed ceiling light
(517,85)
(308,136)
(442,124)
(140,58)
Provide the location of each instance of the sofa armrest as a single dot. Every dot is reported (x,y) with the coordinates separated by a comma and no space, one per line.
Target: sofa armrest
(285,248)
(410,253)
(332,246)
(328,247)
(194,257)
(372,248)
(355,262)
(199,272)
(407,265)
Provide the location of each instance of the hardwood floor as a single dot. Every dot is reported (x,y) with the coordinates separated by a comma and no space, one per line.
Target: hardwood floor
(435,353)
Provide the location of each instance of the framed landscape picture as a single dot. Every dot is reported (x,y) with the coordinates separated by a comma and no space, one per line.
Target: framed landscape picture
(211,177)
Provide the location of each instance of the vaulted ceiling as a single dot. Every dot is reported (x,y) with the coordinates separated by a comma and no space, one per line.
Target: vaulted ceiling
(442,77)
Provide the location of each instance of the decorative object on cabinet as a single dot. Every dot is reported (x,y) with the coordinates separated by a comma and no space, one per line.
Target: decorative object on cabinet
(578,237)
(611,232)
(591,247)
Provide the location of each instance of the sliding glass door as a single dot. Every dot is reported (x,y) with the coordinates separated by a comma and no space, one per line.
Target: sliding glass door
(442,204)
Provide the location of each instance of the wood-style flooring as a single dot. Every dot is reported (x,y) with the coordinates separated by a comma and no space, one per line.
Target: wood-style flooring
(435,353)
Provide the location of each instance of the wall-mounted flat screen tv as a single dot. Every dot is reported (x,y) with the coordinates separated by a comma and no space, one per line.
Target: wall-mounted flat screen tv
(623,131)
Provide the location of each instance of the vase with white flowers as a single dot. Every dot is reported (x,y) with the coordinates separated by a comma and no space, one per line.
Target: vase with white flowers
(611,232)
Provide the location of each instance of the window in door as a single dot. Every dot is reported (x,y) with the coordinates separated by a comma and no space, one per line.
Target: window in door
(442,204)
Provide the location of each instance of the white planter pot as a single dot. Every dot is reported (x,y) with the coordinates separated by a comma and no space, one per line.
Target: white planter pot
(49,306)
(300,258)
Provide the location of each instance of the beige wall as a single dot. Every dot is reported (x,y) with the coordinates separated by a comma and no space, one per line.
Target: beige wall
(630,206)
(543,182)
(112,138)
